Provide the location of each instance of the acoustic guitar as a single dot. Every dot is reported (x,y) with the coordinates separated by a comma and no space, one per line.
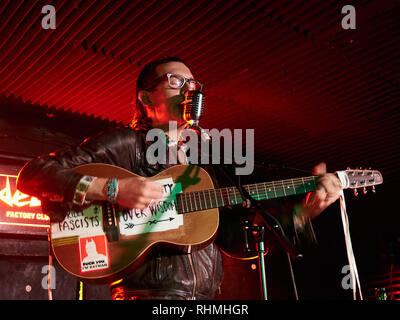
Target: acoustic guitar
(103,242)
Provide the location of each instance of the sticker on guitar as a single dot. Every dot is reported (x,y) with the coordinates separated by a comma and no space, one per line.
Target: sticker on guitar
(160,215)
(93,253)
(79,223)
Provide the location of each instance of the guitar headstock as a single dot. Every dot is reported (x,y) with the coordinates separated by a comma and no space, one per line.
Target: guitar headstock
(361,178)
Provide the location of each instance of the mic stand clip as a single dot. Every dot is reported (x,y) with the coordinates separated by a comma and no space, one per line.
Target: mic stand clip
(195,124)
(260,251)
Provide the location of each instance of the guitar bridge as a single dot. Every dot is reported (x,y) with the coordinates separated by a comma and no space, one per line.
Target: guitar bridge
(110,222)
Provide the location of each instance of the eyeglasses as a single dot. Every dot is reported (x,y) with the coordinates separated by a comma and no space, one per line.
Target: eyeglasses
(176,81)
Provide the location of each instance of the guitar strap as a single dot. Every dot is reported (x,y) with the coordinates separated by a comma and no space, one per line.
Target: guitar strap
(355,281)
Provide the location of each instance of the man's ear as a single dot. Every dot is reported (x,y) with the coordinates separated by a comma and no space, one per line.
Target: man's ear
(145,98)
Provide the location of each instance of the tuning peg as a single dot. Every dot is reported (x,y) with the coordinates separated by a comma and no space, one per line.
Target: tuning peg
(365,190)
(355,192)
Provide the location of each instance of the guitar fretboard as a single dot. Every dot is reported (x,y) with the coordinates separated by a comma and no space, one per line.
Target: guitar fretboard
(215,198)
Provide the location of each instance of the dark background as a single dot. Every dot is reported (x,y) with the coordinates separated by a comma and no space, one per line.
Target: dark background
(311,90)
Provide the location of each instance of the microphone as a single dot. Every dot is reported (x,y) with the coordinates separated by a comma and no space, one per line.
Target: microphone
(193,106)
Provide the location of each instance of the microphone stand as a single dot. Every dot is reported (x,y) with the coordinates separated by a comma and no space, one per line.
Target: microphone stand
(253,204)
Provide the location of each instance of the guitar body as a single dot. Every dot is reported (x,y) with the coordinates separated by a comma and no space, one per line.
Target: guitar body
(121,251)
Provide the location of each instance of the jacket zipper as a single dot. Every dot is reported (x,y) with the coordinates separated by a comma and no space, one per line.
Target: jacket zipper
(194,273)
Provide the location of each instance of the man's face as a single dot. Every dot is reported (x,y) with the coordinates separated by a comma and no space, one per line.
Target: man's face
(163,101)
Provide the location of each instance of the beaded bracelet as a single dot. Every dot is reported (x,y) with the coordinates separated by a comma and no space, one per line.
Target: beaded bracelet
(111,190)
(81,190)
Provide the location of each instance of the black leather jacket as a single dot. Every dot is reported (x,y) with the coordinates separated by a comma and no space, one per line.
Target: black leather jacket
(164,274)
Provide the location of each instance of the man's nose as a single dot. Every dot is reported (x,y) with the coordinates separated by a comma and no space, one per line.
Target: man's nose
(189,86)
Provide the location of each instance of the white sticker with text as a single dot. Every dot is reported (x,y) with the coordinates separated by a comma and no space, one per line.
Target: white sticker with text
(161,215)
(82,223)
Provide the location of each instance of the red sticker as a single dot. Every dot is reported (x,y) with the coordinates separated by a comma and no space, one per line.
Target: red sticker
(93,253)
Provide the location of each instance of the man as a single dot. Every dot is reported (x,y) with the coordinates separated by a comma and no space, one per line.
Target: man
(165,274)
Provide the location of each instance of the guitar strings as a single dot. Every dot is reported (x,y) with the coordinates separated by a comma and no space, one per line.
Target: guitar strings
(227,194)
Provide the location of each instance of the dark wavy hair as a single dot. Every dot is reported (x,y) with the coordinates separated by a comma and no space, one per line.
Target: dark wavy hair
(140,121)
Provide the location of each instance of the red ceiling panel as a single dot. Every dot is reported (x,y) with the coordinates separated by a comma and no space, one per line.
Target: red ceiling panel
(284,68)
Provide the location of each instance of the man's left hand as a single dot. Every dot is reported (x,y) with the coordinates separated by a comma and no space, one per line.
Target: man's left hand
(327,192)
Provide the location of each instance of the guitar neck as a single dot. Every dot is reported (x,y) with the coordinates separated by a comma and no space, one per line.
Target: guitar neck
(216,198)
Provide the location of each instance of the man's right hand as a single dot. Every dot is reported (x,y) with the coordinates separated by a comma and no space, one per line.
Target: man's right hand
(134,192)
